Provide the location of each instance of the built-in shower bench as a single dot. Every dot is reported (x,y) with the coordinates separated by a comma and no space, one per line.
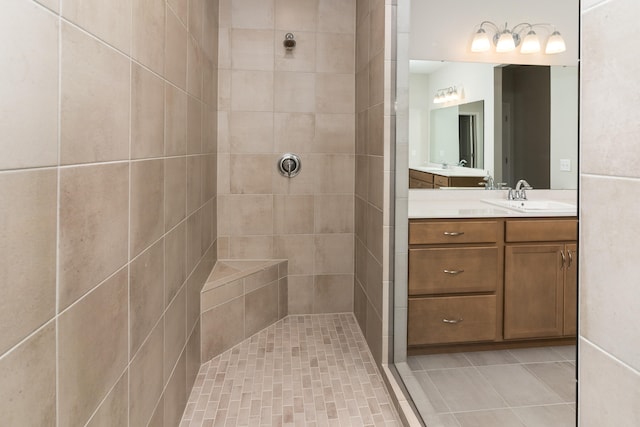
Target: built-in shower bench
(240,298)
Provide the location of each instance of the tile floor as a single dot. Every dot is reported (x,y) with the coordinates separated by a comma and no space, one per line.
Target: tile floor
(312,370)
(531,387)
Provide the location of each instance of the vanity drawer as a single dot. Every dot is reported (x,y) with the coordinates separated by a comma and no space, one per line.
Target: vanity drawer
(416,183)
(421,176)
(541,230)
(452,270)
(439,232)
(441,320)
(440,181)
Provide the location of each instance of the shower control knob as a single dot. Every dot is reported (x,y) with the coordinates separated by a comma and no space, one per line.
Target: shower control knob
(289,165)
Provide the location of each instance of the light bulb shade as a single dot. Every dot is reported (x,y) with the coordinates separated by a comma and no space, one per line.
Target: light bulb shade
(506,43)
(481,42)
(531,43)
(555,44)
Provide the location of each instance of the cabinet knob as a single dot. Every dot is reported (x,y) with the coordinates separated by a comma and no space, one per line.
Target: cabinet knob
(452,321)
(453,233)
(453,272)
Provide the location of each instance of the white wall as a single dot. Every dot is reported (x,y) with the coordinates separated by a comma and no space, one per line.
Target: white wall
(419,106)
(564,129)
(443,30)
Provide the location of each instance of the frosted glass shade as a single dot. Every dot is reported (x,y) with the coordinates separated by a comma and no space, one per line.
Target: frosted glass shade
(505,43)
(555,44)
(531,43)
(481,42)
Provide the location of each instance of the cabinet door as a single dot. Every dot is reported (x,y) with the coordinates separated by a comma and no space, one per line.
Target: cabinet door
(571,290)
(533,294)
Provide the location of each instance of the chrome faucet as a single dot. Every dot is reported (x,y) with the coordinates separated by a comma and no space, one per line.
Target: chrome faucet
(462,162)
(488,183)
(519,193)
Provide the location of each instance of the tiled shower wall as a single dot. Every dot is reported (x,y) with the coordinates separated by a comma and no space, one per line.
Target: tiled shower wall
(271,102)
(609,346)
(373,164)
(107,207)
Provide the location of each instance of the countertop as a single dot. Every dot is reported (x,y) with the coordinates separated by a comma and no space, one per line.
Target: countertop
(470,204)
(455,171)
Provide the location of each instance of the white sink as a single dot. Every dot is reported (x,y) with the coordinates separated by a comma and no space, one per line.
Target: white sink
(534,205)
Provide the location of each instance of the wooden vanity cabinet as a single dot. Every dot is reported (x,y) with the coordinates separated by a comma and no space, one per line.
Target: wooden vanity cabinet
(419,179)
(540,278)
(455,277)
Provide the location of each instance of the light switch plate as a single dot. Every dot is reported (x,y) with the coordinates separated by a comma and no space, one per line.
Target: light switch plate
(565,165)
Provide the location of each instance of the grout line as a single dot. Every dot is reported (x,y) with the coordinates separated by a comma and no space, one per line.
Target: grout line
(58,211)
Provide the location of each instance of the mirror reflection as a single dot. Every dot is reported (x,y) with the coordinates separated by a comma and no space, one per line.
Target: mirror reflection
(509,121)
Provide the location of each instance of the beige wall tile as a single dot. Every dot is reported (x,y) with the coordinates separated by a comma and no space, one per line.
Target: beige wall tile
(94,204)
(360,306)
(147,114)
(175,395)
(246,214)
(283,297)
(94,124)
(157,419)
(333,294)
(293,214)
(334,254)
(294,92)
(196,19)
(296,15)
(28,86)
(298,249)
(294,132)
(605,275)
(251,247)
(113,410)
(251,173)
(223,327)
(335,53)
(175,125)
(300,294)
(373,334)
(252,91)
(175,338)
(194,240)
(305,183)
(86,372)
(335,133)
(51,4)
(334,213)
(175,186)
(193,357)
(194,183)
(110,21)
(375,186)
(175,262)
(194,68)
(194,126)
(375,132)
(377,32)
(334,93)
(221,294)
(147,203)
(362,130)
(28,209)
(261,278)
(302,58)
(194,286)
(147,44)
(251,132)
(609,391)
(261,308)
(254,14)
(180,8)
(32,362)
(362,44)
(362,177)
(337,16)
(376,79)
(252,49)
(175,57)
(146,293)
(210,176)
(373,282)
(336,174)
(360,219)
(374,231)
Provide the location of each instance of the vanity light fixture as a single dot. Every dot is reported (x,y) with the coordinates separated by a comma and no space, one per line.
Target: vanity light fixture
(448,94)
(507,39)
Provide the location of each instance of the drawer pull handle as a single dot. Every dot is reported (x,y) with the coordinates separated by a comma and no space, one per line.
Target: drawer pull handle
(453,272)
(564,259)
(452,321)
(570,259)
(453,233)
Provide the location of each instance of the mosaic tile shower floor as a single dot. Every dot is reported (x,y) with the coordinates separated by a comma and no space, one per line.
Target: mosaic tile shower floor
(311,370)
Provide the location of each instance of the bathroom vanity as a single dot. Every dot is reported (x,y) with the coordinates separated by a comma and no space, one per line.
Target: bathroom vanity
(481,276)
(434,177)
